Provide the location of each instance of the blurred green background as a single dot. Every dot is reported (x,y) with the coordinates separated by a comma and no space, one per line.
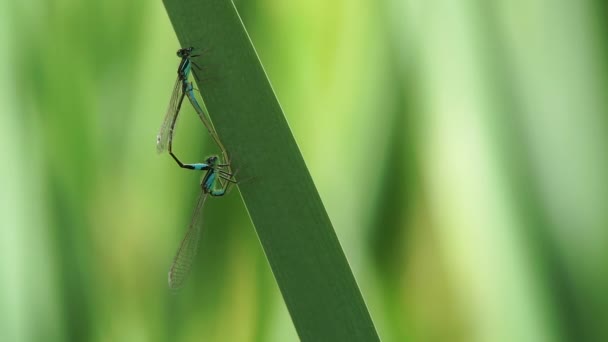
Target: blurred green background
(460,148)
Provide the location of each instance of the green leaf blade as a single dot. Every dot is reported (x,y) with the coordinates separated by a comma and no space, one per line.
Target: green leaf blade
(294,229)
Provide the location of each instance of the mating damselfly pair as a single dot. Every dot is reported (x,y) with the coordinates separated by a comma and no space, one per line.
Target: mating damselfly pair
(218,176)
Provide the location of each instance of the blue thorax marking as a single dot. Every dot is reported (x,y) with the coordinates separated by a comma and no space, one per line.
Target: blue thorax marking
(183,66)
(209,180)
(186,68)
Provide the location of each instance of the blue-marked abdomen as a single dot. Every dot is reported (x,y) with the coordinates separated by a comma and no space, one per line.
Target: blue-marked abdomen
(199,166)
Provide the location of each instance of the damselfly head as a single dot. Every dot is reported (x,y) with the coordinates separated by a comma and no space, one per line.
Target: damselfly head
(185,52)
(211,160)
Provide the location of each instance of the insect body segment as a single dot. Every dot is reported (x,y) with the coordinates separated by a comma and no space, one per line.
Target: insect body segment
(182,262)
(183,87)
(218,175)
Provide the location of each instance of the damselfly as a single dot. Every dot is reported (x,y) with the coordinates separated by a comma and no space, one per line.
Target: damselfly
(183,87)
(182,263)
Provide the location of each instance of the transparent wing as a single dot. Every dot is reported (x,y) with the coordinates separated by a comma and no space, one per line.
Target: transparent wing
(202,115)
(182,263)
(165,134)
(199,110)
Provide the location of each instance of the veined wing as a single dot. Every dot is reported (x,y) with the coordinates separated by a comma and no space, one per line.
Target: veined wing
(199,110)
(182,263)
(165,134)
(206,121)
